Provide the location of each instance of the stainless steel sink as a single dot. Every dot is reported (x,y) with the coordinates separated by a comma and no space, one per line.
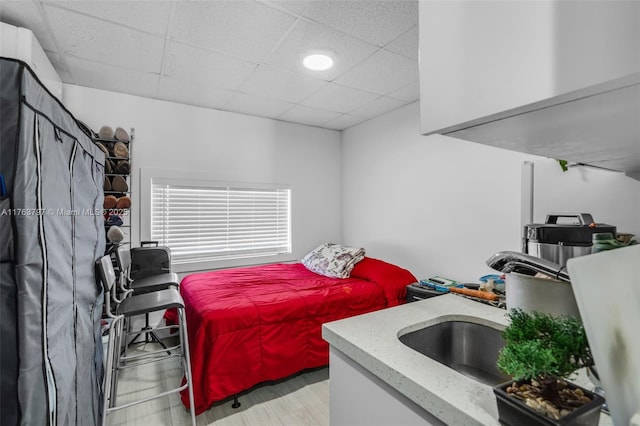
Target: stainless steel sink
(468,348)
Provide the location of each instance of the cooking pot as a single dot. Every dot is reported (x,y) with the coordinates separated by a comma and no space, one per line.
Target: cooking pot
(527,291)
(545,295)
(558,242)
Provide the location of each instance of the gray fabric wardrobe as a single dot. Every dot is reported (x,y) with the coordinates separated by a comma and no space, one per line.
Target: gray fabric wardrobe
(51,234)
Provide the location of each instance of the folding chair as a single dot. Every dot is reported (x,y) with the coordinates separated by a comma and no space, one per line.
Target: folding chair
(145,284)
(138,305)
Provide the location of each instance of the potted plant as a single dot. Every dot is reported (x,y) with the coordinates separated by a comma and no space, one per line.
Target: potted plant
(540,353)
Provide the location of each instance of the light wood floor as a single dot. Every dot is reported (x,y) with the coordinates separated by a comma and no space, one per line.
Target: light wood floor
(297,401)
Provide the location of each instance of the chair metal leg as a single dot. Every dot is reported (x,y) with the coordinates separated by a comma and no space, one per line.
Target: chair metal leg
(184,339)
(153,338)
(117,333)
(120,335)
(146,327)
(149,336)
(108,380)
(127,327)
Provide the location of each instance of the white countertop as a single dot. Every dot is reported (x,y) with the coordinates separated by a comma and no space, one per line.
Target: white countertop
(372,341)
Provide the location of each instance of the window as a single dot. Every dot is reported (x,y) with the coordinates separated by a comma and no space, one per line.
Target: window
(203,223)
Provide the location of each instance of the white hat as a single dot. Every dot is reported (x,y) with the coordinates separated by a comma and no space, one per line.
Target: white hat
(115,234)
(121,134)
(106,132)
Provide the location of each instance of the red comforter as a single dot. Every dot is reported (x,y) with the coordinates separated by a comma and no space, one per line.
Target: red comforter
(250,325)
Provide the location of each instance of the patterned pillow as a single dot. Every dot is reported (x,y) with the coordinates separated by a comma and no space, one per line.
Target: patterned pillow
(333,260)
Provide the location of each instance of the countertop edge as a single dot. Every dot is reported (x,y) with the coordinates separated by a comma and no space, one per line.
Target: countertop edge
(383,364)
(371,340)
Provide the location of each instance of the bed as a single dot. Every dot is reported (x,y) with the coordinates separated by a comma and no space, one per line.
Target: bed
(255,324)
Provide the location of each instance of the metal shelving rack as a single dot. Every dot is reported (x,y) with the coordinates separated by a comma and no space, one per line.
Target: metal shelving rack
(124,213)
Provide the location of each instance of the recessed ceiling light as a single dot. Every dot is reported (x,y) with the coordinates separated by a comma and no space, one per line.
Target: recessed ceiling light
(318,62)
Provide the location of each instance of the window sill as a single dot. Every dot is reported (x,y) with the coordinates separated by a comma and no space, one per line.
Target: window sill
(191,267)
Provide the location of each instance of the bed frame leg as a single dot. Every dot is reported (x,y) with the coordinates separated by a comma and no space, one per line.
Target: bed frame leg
(236,403)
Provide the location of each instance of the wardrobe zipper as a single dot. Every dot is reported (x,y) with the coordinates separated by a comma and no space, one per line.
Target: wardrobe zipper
(49,378)
(73,266)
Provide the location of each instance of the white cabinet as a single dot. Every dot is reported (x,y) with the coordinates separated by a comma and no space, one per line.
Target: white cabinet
(358,398)
(478,57)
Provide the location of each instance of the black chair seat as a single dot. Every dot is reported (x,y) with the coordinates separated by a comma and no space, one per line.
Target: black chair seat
(155,282)
(150,302)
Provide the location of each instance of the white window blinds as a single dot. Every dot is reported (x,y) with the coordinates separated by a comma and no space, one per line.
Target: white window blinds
(209,223)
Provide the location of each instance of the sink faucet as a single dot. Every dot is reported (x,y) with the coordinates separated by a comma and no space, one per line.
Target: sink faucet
(512,261)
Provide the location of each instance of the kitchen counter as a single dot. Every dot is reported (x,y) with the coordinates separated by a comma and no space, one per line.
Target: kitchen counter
(371,340)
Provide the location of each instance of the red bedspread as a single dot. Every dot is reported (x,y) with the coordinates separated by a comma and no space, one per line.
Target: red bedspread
(250,325)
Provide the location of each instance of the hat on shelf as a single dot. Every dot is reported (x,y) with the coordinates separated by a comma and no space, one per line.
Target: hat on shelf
(114,220)
(123,202)
(120,150)
(121,134)
(107,184)
(108,166)
(110,202)
(122,167)
(119,184)
(115,234)
(106,132)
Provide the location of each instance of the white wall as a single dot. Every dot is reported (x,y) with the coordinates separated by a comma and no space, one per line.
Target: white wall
(610,197)
(232,147)
(435,205)
(483,57)
(442,206)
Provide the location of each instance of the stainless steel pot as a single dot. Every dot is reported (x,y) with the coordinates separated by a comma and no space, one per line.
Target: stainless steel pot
(558,242)
(553,295)
(540,294)
(557,253)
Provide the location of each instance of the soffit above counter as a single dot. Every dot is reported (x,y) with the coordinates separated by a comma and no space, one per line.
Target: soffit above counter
(598,126)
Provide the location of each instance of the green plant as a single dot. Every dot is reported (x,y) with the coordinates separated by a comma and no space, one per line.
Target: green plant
(564,165)
(544,348)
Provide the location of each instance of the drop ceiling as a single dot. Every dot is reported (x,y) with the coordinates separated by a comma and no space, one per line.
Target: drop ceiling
(236,55)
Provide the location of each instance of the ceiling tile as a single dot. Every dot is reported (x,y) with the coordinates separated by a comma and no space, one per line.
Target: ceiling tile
(306,115)
(377,21)
(344,121)
(283,85)
(409,93)
(381,73)
(192,94)
(245,29)
(406,44)
(292,6)
(100,41)
(26,14)
(338,98)
(201,66)
(238,55)
(307,37)
(377,107)
(252,105)
(150,16)
(115,79)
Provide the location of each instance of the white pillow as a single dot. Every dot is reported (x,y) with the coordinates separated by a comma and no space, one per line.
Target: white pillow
(333,260)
